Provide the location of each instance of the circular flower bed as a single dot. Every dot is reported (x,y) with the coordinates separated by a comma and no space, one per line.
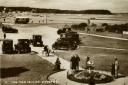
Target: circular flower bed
(84,77)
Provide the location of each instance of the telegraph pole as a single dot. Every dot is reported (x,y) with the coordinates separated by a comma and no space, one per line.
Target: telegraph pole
(88,27)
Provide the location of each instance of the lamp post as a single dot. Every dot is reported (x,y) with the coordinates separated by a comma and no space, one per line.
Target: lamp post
(46,18)
(88,27)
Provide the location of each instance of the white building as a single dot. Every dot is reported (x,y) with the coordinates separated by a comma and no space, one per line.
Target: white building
(125,34)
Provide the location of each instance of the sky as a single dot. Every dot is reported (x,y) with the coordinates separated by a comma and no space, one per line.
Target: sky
(115,6)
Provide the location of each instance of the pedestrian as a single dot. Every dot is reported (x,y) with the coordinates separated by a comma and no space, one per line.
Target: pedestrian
(4,19)
(57,64)
(4,35)
(116,62)
(113,69)
(89,64)
(16,48)
(77,60)
(88,21)
(46,50)
(72,62)
(87,59)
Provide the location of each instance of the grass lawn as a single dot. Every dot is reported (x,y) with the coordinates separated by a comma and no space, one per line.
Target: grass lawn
(103,42)
(102,58)
(24,67)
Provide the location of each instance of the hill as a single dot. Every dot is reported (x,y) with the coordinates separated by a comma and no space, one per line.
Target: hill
(44,10)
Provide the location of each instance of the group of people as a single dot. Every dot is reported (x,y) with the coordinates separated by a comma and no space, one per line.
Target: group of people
(75,59)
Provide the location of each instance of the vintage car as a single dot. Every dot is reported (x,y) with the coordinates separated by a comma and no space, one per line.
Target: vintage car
(9,29)
(22,20)
(64,44)
(68,33)
(7,46)
(23,46)
(37,41)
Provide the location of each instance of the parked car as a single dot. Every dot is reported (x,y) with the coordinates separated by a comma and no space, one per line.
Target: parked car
(9,29)
(7,46)
(37,41)
(23,46)
(22,20)
(65,44)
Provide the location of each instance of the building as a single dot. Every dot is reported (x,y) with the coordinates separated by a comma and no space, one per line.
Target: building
(125,34)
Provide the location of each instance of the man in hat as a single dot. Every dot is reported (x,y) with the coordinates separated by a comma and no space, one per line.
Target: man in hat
(77,60)
(73,62)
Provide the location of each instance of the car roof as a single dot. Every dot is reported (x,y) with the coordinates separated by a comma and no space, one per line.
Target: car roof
(22,17)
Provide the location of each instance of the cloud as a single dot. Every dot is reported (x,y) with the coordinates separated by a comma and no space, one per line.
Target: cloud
(113,5)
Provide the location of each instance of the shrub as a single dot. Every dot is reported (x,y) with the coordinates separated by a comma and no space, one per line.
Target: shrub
(104,24)
(75,26)
(82,25)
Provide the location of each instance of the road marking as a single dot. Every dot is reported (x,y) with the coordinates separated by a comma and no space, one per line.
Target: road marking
(104,36)
(105,48)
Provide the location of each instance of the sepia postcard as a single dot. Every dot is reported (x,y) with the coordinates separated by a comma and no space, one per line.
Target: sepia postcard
(63,42)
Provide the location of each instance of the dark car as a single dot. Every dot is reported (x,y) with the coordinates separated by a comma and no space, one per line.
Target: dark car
(9,29)
(22,20)
(73,36)
(37,41)
(23,46)
(69,40)
(64,44)
(7,46)
(68,33)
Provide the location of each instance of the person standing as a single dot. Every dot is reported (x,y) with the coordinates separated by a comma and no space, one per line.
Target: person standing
(88,27)
(113,69)
(4,35)
(89,64)
(77,60)
(4,19)
(46,50)
(72,62)
(116,62)
(57,64)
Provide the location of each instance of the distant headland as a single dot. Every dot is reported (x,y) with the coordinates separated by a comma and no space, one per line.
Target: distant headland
(58,11)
